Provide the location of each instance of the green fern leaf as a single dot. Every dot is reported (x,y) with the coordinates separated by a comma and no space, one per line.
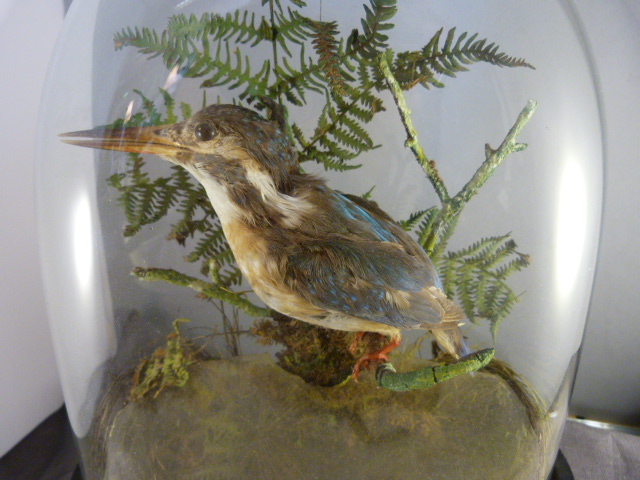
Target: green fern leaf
(416,218)
(477,276)
(291,27)
(376,20)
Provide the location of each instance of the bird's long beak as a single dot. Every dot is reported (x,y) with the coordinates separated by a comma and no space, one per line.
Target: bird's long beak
(132,139)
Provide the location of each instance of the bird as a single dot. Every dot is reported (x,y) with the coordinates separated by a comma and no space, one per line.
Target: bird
(309,252)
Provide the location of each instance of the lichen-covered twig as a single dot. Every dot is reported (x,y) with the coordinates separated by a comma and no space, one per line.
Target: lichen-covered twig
(452,206)
(208,289)
(387,377)
(427,165)
(493,158)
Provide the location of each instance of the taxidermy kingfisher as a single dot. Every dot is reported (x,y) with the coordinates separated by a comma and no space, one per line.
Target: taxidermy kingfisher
(307,251)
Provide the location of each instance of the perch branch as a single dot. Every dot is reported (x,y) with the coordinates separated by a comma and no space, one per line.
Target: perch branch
(451,207)
(387,376)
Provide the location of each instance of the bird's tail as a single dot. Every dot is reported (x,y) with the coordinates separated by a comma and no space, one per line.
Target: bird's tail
(447,332)
(450,340)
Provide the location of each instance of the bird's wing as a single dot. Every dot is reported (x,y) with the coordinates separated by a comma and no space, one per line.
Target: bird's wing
(373,280)
(363,264)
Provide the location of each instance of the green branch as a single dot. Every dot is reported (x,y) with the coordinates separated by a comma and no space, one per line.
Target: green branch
(451,207)
(493,158)
(427,165)
(387,377)
(200,286)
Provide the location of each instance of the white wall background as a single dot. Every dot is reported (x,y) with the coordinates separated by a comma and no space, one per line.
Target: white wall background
(608,385)
(29,387)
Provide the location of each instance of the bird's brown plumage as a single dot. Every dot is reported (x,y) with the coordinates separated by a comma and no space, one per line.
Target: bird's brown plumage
(308,251)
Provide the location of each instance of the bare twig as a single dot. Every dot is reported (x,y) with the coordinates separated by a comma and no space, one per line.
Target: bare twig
(451,207)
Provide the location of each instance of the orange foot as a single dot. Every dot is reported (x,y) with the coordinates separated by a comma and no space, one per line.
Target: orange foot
(371,359)
(353,348)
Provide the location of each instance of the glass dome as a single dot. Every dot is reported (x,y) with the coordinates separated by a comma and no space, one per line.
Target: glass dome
(173,377)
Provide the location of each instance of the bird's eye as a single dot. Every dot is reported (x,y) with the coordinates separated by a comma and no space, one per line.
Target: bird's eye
(204,132)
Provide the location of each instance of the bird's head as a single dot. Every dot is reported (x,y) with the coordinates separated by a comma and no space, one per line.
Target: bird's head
(231,150)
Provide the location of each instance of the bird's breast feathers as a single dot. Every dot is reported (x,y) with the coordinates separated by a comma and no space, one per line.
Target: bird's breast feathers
(343,293)
(266,274)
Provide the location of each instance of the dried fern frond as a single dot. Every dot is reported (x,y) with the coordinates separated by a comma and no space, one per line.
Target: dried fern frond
(326,46)
(425,66)
(339,135)
(421,217)
(376,20)
(178,43)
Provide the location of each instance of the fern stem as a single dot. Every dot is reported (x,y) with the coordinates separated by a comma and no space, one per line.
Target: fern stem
(274,47)
(336,121)
(495,157)
(208,289)
(427,165)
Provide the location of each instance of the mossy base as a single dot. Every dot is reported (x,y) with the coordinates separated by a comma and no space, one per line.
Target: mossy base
(247,418)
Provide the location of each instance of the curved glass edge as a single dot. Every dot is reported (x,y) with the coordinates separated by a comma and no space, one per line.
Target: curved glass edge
(540,352)
(73,266)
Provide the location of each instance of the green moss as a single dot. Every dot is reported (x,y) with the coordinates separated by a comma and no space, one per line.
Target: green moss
(166,367)
(247,418)
(320,356)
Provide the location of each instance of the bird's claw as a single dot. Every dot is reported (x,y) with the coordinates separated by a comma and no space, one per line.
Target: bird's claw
(368,362)
(373,359)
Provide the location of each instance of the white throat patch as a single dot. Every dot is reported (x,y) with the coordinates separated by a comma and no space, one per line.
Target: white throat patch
(292,209)
(226,210)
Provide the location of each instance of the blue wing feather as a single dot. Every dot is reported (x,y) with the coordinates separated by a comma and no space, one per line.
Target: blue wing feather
(356,270)
(349,210)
